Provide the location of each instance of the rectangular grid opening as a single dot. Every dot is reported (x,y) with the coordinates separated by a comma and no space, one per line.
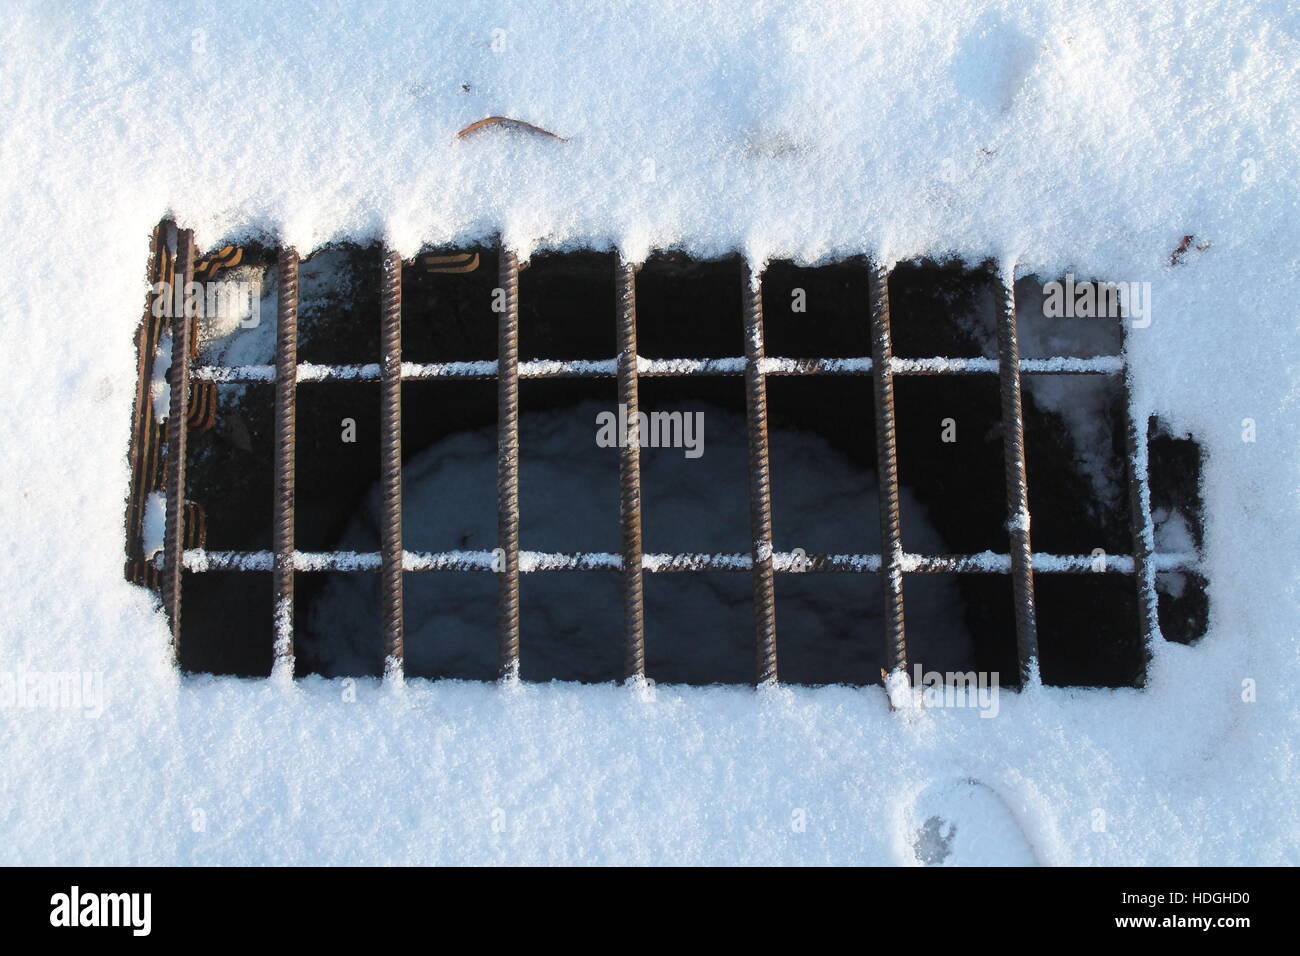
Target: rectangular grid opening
(495,373)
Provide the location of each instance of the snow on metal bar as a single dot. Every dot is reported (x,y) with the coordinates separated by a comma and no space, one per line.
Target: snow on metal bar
(198,560)
(690,366)
(311,372)
(1098,365)
(1057,365)
(234,374)
(1017,483)
(1143,534)
(659,367)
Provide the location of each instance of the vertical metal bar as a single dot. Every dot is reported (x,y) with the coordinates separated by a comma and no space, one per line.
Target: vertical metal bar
(629,475)
(1136,435)
(177,433)
(286,409)
(760,490)
(1013,447)
(390,462)
(508,465)
(891,533)
(142,419)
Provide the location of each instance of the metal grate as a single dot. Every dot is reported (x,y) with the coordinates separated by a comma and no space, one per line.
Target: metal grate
(183,551)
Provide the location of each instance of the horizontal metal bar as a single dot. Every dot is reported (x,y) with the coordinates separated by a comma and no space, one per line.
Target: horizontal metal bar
(659,368)
(786,562)
(1057,365)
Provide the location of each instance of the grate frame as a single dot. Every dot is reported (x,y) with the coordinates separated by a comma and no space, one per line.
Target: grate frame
(173,252)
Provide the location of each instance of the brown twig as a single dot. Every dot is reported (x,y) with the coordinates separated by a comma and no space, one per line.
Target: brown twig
(1183,246)
(509,123)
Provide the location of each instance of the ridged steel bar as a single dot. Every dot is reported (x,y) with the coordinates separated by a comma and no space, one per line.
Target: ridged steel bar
(1140,516)
(629,477)
(662,368)
(760,481)
(286,423)
(390,462)
(143,426)
(1013,446)
(200,560)
(508,466)
(891,534)
(177,433)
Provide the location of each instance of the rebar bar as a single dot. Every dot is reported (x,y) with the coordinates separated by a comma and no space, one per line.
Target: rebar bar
(1136,434)
(760,481)
(390,462)
(286,418)
(507,293)
(146,437)
(662,368)
(177,433)
(200,560)
(891,535)
(1013,446)
(629,477)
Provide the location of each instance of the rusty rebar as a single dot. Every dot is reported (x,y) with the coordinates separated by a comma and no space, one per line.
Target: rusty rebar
(308,562)
(507,293)
(177,433)
(543,369)
(286,411)
(390,461)
(891,534)
(1013,448)
(629,477)
(144,427)
(760,481)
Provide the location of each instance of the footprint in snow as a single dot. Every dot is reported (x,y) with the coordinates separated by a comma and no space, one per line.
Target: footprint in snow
(965,823)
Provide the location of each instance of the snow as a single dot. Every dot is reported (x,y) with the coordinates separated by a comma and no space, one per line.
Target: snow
(1086,137)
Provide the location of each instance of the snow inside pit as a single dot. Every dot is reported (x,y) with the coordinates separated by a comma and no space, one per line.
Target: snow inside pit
(1082,137)
(698,626)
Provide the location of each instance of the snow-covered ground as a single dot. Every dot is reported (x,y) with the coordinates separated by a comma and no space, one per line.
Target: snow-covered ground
(1086,136)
